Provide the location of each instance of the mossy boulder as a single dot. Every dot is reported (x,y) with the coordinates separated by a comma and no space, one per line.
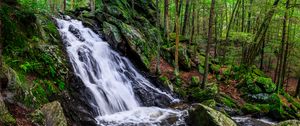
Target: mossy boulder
(289,123)
(54,115)
(195,81)
(199,95)
(203,115)
(38,118)
(112,34)
(5,117)
(250,109)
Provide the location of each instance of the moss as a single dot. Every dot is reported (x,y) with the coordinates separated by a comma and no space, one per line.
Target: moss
(33,50)
(250,109)
(210,103)
(228,101)
(37,117)
(195,81)
(8,120)
(181,38)
(199,95)
(215,68)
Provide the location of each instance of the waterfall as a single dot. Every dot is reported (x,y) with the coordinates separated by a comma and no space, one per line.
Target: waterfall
(120,93)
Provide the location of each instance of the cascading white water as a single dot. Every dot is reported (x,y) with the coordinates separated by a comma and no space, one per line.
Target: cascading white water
(111,78)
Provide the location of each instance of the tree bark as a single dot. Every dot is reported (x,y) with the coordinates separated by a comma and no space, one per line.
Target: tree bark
(210,38)
(177,39)
(229,26)
(298,89)
(186,17)
(166,19)
(253,50)
(249,17)
(283,54)
(193,24)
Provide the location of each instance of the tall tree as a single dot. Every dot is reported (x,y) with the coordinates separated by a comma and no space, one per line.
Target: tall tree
(92,5)
(284,48)
(253,51)
(229,25)
(298,89)
(177,38)
(210,38)
(186,17)
(193,23)
(249,17)
(166,19)
(158,42)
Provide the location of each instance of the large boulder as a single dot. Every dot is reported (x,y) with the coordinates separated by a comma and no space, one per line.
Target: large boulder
(5,117)
(54,115)
(202,115)
(289,123)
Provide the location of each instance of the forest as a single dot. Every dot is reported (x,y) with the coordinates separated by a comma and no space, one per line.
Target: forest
(150,62)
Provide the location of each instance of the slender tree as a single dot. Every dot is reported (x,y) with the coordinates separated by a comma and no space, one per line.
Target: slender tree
(177,38)
(166,19)
(254,49)
(284,43)
(210,38)
(186,17)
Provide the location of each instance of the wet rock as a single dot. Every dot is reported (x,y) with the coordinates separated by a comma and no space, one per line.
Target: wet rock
(202,115)
(76,104)
(76,33)
(5,117)
(54,115)
(112,34)
(289,123)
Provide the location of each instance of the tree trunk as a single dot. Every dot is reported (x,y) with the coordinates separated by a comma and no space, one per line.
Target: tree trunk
(253,50)
(193,24)
(229,26)
(283,54)
(262,55)
(210,38)
(243,15)
(298,89)
(186,17)
(177,39)
(166,19)
(249,17)
(158,42)
(92,5)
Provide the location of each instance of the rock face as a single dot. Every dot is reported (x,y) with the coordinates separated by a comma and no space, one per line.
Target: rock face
(289,123)
(202,115)
(54,115)
(5,117)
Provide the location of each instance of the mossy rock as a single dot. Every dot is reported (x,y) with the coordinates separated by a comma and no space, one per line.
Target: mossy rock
(38,118)
(112,34)
(289,123)
(195,81)
(166,82)
(227,101)
(250,109)
(205,116)
(266,84)
(199,95)
(210,103)
(54,115)
(5,117)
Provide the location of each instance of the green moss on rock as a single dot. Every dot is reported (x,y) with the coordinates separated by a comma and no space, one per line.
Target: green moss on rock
(205,116)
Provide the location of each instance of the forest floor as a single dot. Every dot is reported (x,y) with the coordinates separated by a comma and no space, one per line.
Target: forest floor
(228,88)
(168,71)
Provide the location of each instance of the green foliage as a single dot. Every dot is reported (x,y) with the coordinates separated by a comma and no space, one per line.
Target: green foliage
(199,95)
(250,109)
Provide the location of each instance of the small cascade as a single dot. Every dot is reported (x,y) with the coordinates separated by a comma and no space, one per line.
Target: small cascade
(119,93)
